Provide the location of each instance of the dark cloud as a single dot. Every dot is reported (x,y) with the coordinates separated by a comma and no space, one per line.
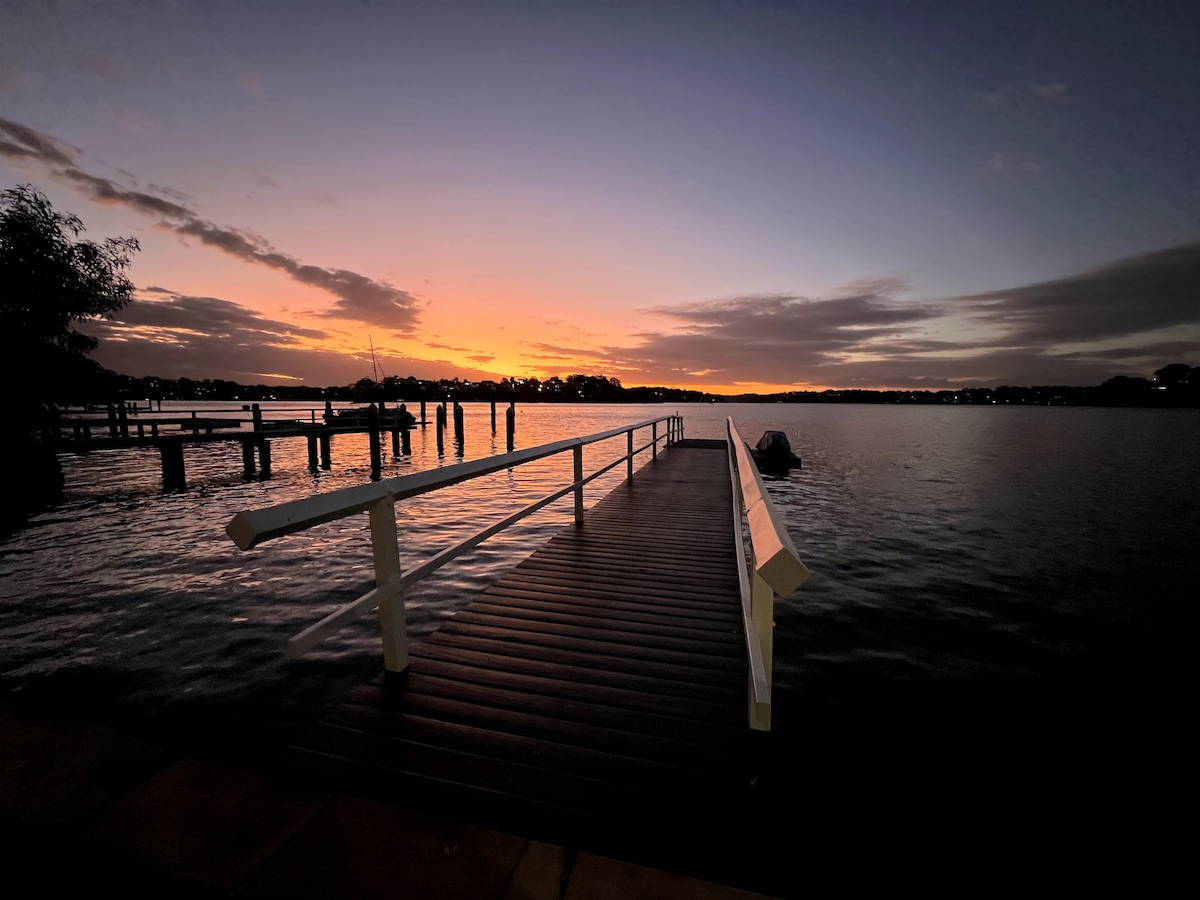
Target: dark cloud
(1034,334)
(1143,293)
(779,339)
(174,335)
(481,358)
(209,316)
(25,142)
(359,298)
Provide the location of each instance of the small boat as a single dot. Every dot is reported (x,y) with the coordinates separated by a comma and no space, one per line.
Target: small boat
(773,454)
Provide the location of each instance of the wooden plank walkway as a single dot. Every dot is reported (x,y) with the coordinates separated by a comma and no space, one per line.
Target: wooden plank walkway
(594,696)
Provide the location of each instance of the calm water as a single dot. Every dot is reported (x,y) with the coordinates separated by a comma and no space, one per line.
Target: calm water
(967,562)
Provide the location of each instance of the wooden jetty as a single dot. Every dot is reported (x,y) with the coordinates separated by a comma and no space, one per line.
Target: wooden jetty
(119,431)
(605,693)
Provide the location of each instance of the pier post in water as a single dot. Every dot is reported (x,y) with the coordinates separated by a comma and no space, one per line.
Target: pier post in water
(312,452)
(326,451)
(510,426)
(248,457)
(422,407)
(458,424)
(406,442)
(123,420)
(373,439)
(441,429)
(112,421)
(493,410)
(256,413)
(264,459)
(173,476)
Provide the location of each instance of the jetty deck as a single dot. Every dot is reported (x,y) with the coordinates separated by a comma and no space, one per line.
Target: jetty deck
(594,696)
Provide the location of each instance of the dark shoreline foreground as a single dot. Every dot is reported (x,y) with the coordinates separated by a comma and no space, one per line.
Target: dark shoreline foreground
(960,786)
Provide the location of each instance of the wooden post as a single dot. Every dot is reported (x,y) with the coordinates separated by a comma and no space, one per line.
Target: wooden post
(396,433)
(264,459)
(55,423)
(654,440)
(510,426)
(493,410)
(373,440)
(123,419)
(422,408)
(386,557)
(141,430)
(255,412)
(312,451)
(195,423)
(326,451)
(112,421)
(328,412)
(153,429)
(629,462)
(578,453)
(441,429)
(458,423)
(248,457)
(173,476)
(406,442)
(87,432)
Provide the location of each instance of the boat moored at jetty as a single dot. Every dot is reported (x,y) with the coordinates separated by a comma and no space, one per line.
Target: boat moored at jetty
(773,454)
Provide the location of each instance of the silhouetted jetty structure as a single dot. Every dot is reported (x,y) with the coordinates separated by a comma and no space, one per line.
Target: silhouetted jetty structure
(606,692)
(172,433)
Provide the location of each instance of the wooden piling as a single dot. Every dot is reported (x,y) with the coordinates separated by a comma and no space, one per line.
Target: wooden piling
(112,421)
(256,413)
(312,451)
(173,475)
(264,459)
(326,451)
(493,410)
(441,429)
(406,442)
(373,440)
(510,426)
(123,420)
(459,432)
(248,457)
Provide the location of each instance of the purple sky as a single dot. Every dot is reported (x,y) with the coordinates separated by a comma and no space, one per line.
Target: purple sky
(724,195)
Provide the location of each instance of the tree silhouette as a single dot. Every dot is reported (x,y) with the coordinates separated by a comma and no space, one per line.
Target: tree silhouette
(50,280)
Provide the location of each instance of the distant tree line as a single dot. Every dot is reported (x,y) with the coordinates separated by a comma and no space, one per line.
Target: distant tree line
(1173,385)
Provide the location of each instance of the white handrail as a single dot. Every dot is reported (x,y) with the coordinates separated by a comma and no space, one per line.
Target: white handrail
(252,527)
(774,568)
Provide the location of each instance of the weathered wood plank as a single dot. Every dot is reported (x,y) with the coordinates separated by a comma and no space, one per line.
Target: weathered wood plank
(597,688)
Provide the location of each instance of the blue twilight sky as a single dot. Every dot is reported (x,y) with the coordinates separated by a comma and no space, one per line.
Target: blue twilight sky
(740,195)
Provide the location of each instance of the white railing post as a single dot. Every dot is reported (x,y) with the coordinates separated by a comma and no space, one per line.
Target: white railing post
(629,434)
(654,441)
(762,611)
(386,556)
(579,485)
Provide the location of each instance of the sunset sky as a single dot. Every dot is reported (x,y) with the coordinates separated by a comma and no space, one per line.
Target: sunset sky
(731,196)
